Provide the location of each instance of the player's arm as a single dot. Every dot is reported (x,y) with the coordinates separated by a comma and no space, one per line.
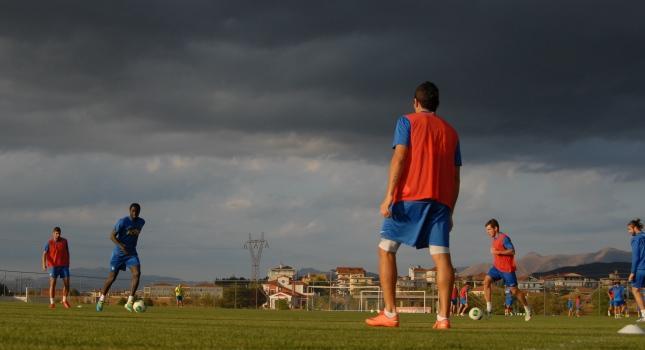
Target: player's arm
(396,168)
(44,260)
(635,259)
(118,243)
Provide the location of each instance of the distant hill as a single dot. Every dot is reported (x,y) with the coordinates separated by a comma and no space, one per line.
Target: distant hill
(534,262)
(593,270)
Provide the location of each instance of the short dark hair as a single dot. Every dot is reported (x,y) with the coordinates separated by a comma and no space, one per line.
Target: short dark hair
(636,223)
(56,229)
(136,206)
(492,223)
(427,94)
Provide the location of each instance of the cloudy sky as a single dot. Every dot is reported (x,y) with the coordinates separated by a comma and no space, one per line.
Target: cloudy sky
(229,118)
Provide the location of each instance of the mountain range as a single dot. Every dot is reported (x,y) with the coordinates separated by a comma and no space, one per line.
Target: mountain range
(534,262)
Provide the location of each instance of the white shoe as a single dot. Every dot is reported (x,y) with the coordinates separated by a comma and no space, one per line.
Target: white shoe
(642,319)
(528,315)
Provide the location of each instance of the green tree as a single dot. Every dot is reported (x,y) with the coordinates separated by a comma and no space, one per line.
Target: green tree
(281,304)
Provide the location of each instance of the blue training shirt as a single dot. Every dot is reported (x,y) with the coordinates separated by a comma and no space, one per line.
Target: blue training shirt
(619,291)
(638,252)
(127,232)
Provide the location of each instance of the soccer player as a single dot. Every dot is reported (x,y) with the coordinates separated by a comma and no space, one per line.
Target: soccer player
(56,259)
(610,293)
(454,302)
(637,273)
(508,302)
(125,236)
(179,295)
(504,267)
(463,299)
(570,306)
(578,305)
(422,191)
(619,301)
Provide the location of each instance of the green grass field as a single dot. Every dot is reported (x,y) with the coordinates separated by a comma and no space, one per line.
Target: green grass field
(34,326)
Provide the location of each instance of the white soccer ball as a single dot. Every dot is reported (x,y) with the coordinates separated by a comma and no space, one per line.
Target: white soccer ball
(475,314)
(139,306)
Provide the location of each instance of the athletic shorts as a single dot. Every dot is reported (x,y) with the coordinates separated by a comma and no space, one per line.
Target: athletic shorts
(619,303)
(453,301)
(180,297)
(120,262)
(639,279)
(510,280)
(419,224)
(463,301)
(508,303)
(59,271)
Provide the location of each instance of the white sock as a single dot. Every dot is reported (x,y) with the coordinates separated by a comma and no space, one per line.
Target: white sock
(489,306)
(389,314)
(131,299)
(527,309)
(64,298)
(441,318)
(102,297)
(51,300)
(643,313)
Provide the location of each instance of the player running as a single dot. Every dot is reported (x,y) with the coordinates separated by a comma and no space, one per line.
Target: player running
(508,302)
(422,191)
(504,267)
(56,259)
(637,273)
(125,236)
(463,299)
(179,295)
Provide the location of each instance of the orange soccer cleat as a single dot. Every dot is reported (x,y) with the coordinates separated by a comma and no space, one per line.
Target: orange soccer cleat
(381,320)
(66,304)
(445,324)
(52,306)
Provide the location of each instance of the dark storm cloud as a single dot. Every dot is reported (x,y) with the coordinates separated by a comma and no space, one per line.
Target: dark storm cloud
(514,77)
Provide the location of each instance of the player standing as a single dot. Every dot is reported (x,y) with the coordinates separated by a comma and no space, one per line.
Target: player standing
(637,273)
(619,301)
(179,295)
(508,302)
(578,305)
(570,306)
(610,293)
(504,267)
(463,299)
(56,259)
(454,302)
(421,194)
(125,236)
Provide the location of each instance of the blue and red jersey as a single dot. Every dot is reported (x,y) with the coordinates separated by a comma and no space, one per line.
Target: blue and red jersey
(57,253)
(504,263)
(429,171)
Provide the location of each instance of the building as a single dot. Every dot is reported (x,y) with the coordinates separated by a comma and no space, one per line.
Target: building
(418,273)
(285,288)
(530,284)
(353,279)
(281,270)
(569,281)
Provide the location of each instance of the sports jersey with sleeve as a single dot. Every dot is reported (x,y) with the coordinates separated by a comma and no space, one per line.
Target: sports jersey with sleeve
(454,293)
(179,291)
(127,232)
(429,171)
(504,263)
(638,252)
(57,252)
(619,292)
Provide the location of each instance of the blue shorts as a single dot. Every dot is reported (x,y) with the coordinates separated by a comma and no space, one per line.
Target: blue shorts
(639,279)
(179,297)
(463,301)
(419,224)
(453,301)
(508,303)
(59,271)
(120,262)
(619,302)
(510,280)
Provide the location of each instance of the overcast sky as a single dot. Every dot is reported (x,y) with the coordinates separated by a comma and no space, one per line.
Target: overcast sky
(229,118)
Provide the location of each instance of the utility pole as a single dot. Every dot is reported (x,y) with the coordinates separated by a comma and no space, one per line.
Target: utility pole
(255,247)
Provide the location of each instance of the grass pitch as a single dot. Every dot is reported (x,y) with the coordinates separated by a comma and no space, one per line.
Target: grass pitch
(34,326)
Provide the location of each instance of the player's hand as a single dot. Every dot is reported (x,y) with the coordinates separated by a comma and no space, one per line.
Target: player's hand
(493,251)
(386,207)
(630,278)
(44,268)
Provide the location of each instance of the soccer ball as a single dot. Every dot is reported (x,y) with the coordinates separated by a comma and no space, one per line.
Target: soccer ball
(475,314)
(139,306)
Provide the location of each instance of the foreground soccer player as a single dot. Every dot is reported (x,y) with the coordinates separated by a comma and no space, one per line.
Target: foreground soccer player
(637,273)
(422,190)
(125,236)
(56,259)
(503,267)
